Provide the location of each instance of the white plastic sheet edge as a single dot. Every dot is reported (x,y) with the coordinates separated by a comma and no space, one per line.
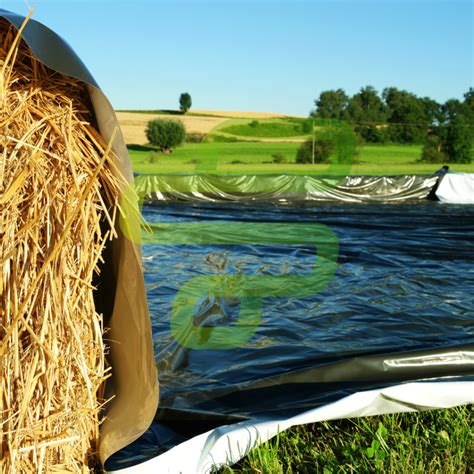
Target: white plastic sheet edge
(456,188)
(228,444)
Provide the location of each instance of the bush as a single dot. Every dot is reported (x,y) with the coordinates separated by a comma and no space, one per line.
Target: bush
(195,137)
(254,123)
(307,127)
(153,157)
(342,136)
(323,149)
(278,158)
(433,151)
(165,134)
(431,154)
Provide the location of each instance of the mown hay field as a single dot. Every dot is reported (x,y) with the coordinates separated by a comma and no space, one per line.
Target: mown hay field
(133,124)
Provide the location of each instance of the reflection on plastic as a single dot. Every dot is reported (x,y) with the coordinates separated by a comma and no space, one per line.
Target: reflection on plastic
(250,289)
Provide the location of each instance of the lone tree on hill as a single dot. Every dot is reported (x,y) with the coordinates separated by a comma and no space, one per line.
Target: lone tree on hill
(185,102)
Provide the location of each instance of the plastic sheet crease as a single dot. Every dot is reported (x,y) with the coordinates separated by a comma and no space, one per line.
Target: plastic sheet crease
(283,188)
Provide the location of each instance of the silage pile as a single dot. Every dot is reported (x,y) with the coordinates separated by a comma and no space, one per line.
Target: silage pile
(56,189)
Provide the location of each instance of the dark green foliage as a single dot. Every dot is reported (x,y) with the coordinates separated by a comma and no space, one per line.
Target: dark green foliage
(185,102)
(254,123)
(278,158)
(368,113)
(321,148)
(468,110)
(433,155)
(165,134)
(433,111)
(458,140)
(343,138)
(433,151)
(373,133)
(332,104)
(307,127)
(398,116)
(195,137)
(407,116)
(450,143)
(450,109)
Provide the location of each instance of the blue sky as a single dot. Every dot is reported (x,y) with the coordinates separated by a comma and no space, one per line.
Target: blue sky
(264,55)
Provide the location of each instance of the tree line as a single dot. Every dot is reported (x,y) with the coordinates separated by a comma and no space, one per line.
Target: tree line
(398,116)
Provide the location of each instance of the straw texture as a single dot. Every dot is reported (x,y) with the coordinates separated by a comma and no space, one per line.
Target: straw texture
(57,195)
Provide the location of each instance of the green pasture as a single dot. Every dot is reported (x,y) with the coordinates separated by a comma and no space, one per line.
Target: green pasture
(256,158)
(248,146)
(438,441)
(268,128)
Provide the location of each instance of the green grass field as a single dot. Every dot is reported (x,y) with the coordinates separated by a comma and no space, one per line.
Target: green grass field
(256,158)
(247,146)
(439,441)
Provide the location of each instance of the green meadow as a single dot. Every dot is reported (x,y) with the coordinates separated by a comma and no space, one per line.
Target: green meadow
(256,158)
(249,146)
(437,441)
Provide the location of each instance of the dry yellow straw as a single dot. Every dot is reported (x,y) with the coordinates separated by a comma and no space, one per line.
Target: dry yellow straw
(57,195)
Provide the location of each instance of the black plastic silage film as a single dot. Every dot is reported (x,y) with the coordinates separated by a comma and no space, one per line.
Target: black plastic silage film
(398,309)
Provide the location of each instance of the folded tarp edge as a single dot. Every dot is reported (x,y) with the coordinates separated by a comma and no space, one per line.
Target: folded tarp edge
(228,444)
(456,188)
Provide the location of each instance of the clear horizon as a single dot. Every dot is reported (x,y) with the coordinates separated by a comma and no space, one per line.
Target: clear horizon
(262,55)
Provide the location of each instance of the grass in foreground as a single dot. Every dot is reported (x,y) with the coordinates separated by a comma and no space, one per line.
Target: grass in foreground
(426,442)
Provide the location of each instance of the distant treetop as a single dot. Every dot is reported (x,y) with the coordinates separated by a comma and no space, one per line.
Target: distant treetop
(185,102)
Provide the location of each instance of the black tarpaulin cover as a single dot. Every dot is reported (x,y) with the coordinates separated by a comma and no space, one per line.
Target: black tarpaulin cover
(394,309)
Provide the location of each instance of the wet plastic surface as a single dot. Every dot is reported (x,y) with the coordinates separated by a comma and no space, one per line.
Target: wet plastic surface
(398,309)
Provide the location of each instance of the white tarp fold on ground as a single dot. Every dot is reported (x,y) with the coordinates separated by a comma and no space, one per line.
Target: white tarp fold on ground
(456,188)
(228,444)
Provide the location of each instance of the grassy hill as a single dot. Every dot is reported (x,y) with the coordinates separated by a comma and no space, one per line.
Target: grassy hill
(270,128)
(249,145)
